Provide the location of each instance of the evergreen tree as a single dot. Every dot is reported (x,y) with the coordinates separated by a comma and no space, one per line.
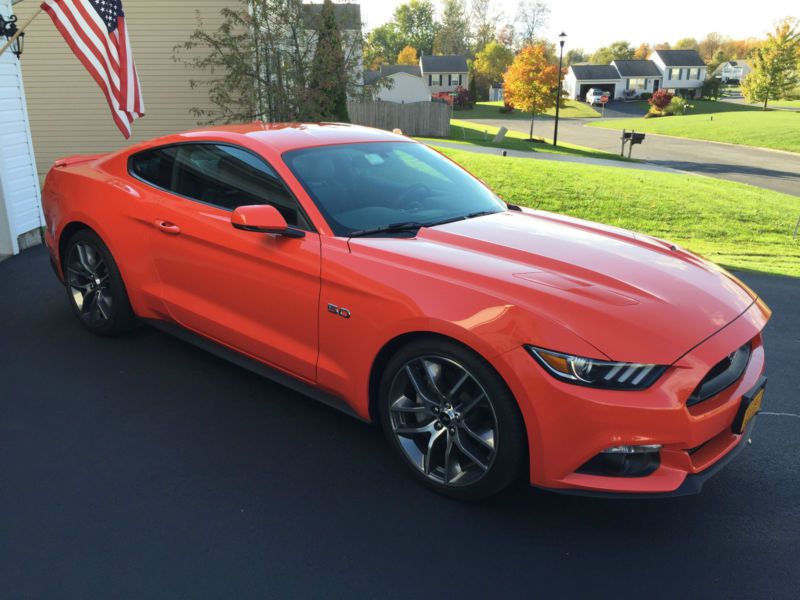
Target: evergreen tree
(328,79)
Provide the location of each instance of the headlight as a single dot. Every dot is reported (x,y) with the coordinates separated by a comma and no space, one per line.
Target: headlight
(597,373)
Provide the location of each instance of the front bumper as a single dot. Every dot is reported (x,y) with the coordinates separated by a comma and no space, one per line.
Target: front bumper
(568,425)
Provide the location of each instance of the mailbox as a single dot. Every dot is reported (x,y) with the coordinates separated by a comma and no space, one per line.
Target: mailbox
(637,138)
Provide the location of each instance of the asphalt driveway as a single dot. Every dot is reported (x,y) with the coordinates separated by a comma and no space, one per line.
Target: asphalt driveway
(779,171)
(142,467)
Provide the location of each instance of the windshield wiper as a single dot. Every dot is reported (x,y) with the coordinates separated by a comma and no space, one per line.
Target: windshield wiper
(480,213)
(391,228)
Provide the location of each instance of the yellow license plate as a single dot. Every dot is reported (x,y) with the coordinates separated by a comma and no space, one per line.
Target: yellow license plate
(752,409)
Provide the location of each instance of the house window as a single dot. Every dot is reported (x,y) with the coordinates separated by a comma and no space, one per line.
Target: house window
(435,79)
(693,73)
(637,83)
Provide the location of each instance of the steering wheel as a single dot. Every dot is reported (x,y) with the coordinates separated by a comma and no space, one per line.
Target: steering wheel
(406,201)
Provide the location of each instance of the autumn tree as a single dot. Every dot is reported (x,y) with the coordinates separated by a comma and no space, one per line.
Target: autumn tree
(687,43)
(663,46)
(489,66)
(530,80)
(709,46)
(643,52)
(407,56)
(774,66)
(619,50)
(452,35)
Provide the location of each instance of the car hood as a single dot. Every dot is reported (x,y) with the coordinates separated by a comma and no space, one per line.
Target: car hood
(633,297)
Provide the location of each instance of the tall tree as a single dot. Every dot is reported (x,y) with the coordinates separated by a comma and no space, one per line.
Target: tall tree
(383,44)
(408,56)
(575,56)
(489,66)
(532,17)
(687,43)
(416,25)
(257,62)
(485,20)
(709,45)
(775,64)
(643,52)
(452,36)
(663,46)
(530,80)
(619,50)
(328,79)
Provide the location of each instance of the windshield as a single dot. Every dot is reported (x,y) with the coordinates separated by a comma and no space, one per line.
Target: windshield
(362,187)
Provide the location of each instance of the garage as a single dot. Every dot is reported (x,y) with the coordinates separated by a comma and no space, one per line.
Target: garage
(610,87)
(581,78)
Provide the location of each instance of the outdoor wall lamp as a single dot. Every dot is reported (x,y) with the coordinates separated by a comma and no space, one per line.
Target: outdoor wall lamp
(8,29)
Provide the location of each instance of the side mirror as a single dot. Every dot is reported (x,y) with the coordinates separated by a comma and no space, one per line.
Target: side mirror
(263,218)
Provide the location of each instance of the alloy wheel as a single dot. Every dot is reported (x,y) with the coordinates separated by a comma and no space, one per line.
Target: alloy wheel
(444,420)
(89,283)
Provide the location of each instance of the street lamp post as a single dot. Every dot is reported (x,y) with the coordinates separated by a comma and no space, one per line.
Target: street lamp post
(561,39)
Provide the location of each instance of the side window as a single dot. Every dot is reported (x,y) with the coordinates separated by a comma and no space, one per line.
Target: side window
(155,166)
(223,176)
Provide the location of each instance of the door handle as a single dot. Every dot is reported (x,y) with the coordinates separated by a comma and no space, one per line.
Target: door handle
(167,227)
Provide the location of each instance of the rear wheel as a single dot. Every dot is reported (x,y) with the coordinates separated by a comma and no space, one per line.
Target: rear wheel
(451,419)
(94,285)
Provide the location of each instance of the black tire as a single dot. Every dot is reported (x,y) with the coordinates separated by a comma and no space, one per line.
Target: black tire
(437,365)
(94,286)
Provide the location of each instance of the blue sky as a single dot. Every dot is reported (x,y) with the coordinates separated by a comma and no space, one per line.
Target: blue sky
(594,23)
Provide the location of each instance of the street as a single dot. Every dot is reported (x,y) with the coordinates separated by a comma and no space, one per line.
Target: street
(779,171)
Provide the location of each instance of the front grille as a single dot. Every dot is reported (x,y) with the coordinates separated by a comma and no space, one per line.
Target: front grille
(722,375)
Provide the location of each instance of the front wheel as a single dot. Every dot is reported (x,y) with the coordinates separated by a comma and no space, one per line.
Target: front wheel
(94,285)
(451,419)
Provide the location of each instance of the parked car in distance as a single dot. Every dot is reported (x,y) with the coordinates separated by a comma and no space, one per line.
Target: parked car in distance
(490,342)
(594,96)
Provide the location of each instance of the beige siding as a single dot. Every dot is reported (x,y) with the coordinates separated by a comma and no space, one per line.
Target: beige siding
(68,112)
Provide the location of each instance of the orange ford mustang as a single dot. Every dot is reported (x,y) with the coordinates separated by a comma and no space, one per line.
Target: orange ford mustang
(377,276)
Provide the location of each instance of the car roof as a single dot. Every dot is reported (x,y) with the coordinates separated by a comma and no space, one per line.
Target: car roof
(283,137)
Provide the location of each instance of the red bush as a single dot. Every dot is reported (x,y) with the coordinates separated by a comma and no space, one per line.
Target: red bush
(660,100)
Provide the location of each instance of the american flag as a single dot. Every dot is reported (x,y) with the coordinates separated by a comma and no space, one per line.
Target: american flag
(97,34)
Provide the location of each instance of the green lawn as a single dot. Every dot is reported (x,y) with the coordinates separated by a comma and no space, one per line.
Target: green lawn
(789,103)
(491,110)
(736,225)
(475,134)
(723,122)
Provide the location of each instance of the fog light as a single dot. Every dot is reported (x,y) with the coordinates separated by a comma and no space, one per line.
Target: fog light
(624,461)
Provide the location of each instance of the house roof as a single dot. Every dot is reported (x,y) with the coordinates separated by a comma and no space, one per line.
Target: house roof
(595,72)
(637,68)
(392,69)
(451,63)
(681,58)
(371,77)
(348,16)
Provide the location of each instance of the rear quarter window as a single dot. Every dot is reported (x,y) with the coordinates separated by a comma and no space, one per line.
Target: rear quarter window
(155,166)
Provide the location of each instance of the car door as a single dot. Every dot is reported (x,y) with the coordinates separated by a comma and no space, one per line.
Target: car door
(257,293)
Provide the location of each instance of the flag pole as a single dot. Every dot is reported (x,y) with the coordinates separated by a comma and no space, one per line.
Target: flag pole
(20,31)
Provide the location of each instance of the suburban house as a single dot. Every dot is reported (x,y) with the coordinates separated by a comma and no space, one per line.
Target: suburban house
(733,71)
(497,92)
(404,85)
(418,83)
(638,77)
(679,71)
(684,71)
(581,78)
(20,209)
(444,73)
(78,122)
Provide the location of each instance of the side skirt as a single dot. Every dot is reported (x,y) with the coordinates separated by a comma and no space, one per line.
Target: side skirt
(254,366)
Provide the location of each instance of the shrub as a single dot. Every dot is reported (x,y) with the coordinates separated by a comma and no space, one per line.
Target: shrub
(660,100)
(645,95)
(506,108)
(677,106)
(712,88)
